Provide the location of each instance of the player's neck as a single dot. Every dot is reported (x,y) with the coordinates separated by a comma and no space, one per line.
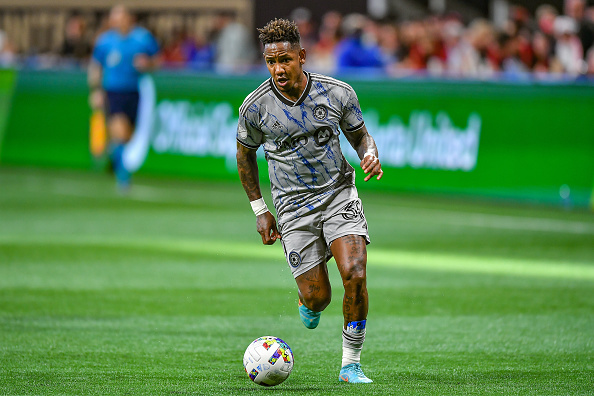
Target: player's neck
(124,30)
(295,93)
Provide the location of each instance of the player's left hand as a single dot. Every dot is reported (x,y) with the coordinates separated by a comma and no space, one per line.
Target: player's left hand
(372,167)
(97,99)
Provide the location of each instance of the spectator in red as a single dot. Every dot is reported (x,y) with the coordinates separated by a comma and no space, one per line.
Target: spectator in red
(542,53)
(322,56)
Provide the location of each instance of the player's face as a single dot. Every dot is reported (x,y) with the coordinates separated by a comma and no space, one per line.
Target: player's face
(285,64)
(119,18)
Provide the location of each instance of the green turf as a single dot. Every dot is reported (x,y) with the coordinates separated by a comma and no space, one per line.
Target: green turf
(160,292)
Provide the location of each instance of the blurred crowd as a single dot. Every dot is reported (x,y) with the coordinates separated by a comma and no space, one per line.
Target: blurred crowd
(548,44)
(545,44)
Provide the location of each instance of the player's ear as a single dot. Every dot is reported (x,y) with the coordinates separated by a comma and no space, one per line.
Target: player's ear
(302,55)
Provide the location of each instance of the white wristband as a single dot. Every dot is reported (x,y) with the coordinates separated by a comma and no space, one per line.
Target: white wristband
(369,153)
(259,206)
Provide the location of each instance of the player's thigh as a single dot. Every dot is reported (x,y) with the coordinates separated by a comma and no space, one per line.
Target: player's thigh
(303,244)
(345,216)
(314,283)
(346,232)
(119,127)
(122,109)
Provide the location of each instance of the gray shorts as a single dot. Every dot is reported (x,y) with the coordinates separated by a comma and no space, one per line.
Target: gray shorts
(307,239)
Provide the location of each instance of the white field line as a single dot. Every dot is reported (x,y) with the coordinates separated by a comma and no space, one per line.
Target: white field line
(137,193)
(485,220)
(377,257)
(153,194)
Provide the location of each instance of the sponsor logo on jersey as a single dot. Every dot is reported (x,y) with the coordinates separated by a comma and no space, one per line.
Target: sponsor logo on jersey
(320,112)
(322,135)
(290,144)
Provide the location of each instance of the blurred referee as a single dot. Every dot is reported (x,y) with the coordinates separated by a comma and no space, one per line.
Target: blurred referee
(121,55)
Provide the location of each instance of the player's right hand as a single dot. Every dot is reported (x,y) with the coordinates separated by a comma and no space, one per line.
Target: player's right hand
(266,226)
(372,166)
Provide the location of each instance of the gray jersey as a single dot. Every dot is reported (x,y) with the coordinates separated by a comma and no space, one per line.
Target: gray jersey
(301,140)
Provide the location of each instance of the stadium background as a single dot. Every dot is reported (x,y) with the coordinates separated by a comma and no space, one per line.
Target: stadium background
(481,268)
(447,129)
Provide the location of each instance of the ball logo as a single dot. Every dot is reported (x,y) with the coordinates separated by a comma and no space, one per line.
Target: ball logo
(294,259)
(320,112)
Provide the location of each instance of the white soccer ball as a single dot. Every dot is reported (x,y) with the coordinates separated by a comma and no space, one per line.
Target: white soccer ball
(268,361)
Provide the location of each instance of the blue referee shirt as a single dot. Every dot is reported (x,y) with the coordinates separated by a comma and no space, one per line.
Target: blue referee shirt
(116,53)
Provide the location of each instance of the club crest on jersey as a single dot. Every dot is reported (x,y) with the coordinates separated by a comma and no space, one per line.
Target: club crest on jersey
(294,259)
(320,112)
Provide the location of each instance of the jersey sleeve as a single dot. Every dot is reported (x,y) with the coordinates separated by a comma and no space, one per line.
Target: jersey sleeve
(352,117)
(151,45)
(99,51)
(248,132)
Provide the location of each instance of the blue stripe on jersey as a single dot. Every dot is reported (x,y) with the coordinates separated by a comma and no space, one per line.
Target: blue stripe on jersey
(321,90)
(287,178)
(305,162)
(295,120)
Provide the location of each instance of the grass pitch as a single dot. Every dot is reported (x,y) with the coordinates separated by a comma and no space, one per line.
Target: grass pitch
(160,292)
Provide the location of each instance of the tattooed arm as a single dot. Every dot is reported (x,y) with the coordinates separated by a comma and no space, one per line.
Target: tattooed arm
(366,148)
(247,166)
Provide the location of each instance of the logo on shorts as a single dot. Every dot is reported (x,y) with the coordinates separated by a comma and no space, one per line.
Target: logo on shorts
(353,210)
(320,112)
(242,131)
(294,259)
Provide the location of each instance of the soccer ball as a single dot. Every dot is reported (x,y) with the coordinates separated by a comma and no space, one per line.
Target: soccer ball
(268,361)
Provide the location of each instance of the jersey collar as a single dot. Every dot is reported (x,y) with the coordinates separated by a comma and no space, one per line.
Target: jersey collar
(287,101)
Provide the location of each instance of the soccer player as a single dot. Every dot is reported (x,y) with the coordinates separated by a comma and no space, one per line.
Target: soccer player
(120,56)
(297,116)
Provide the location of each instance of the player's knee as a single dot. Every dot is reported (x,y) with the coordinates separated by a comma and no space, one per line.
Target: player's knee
(318,301)
(319,304)
(356,271)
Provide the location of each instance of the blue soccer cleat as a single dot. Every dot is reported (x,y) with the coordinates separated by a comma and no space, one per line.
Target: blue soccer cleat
(310,318)
(352,373)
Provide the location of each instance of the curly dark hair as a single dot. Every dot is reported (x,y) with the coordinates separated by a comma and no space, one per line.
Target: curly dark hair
(280,31)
